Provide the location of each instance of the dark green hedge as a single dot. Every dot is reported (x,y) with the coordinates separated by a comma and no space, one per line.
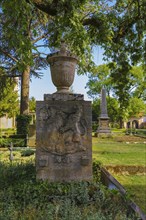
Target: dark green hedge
(23,122)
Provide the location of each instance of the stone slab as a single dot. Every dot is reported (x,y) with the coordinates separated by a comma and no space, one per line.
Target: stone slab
(64,140)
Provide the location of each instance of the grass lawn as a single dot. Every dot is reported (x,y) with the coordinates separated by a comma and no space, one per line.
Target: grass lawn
(124,150)
(118,153)
(136,188)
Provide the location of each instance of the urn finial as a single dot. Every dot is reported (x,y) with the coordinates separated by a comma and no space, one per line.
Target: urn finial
(63,48)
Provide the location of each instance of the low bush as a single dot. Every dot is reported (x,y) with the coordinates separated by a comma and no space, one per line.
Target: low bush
(5,142)
(23,197)
(23,122)
(27,153)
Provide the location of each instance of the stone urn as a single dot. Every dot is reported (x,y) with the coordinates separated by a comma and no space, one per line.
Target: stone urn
(62,66)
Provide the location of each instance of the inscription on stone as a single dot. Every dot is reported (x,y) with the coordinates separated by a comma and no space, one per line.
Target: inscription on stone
(62,159)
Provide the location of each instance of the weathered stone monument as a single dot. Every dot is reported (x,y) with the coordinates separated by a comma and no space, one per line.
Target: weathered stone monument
(103,129)
(63,127)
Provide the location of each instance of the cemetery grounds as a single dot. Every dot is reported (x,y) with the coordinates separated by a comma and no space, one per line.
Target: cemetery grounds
(124,156)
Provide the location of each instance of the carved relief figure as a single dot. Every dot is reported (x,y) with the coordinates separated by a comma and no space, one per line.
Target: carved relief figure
(63,130)
(73,130)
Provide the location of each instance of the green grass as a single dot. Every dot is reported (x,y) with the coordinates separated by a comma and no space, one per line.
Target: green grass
(113,151)
(118,153)
(136,188)
(17,154)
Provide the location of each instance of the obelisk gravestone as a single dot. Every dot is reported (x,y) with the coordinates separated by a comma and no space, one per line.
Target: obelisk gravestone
(103,129)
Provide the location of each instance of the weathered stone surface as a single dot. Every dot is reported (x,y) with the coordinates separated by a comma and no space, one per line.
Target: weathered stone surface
(64,141)
(103,128)
(62,67)
(104,125)
(103,104)
(63,96)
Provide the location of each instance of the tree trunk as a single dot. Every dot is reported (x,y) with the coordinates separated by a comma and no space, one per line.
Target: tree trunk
(24,103)
(121,122)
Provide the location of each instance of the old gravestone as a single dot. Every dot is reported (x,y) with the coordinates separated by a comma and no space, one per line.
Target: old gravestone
(103,129)
(63,130)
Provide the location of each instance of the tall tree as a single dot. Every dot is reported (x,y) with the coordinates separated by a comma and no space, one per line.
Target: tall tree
(118,27)
(21,28)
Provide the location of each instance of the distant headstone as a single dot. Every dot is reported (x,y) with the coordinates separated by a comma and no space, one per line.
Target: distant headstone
(103,129)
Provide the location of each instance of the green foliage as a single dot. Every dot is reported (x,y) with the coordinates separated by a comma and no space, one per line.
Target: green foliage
(119,28)
(32,104)
(22,197)
(17,142)
(4,142)
(112,108)
(22,27)
(99,78)
(27,153)
(8,96)
(95,109)
(136,107)
(23,122)
(94,126)
(125,91)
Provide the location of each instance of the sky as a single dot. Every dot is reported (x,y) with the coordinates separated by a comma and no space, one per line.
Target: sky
(39,87)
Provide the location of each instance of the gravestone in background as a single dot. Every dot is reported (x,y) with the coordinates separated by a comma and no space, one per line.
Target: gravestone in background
(103,128)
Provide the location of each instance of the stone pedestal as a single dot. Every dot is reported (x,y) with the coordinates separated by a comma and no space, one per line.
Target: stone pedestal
(63,138)
(103,129)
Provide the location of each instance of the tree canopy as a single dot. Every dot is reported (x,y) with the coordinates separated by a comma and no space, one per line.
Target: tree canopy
(125,100)
(118,27)
(28,26)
